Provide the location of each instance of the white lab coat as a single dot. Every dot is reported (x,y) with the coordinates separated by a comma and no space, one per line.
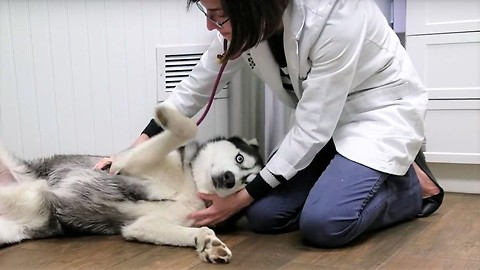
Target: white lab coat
(353,79)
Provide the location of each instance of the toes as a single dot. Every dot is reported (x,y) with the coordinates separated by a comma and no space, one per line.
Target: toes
(215,251)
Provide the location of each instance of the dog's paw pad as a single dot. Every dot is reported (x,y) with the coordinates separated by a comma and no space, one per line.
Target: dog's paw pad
(213,250)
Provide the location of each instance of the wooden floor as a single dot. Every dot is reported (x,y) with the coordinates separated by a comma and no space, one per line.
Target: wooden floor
(449,239)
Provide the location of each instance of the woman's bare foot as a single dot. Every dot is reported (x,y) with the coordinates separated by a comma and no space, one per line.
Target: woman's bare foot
(429,188)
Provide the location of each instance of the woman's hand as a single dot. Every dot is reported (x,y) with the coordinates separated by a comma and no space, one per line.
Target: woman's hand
(104,162)
(107,161)
(221,208)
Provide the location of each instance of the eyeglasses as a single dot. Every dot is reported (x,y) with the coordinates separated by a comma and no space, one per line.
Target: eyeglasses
(211,18)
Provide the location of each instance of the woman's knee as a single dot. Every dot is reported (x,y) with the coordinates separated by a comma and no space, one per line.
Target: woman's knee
(263,220)
(327,231)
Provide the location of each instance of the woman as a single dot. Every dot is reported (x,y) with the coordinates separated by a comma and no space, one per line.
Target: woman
(351,162)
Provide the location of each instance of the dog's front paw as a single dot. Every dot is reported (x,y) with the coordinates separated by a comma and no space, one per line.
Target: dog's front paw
(176,122)
(120,161)
(211,249)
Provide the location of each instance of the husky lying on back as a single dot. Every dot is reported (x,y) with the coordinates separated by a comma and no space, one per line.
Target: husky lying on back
(148,199)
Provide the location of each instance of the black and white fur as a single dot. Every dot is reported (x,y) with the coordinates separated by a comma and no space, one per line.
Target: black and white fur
(148,199)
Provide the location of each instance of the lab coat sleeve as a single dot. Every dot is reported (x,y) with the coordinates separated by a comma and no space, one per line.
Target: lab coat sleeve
(334,57)
(193,92)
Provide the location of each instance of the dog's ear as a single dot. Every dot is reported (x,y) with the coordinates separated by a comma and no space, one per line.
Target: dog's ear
(252,142)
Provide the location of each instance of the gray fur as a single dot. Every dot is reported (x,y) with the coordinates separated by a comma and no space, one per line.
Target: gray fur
(91,204)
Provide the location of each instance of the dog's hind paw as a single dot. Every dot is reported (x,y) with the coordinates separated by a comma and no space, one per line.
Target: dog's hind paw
(211,249)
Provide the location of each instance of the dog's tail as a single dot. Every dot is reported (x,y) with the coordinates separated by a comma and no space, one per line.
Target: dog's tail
(13,169)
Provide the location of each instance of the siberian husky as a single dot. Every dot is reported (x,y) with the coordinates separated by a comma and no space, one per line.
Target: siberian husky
(148,198)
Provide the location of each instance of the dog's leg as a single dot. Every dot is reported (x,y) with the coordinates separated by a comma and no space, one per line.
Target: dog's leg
(178,131)
(5,176)
(156,230)
(22,209)
(13,169)
(11,232)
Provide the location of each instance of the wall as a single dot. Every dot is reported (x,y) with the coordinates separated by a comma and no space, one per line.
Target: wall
(79,76)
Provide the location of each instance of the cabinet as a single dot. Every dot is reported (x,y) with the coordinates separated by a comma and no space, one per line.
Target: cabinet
(442,16)
(443,41)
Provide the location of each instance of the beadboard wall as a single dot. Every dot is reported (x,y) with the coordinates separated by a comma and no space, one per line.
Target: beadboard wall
(79,76)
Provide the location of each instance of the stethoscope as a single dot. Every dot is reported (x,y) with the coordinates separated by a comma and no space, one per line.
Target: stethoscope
(217,82)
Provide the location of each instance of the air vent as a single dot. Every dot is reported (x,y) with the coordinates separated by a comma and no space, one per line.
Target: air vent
(175,64)
(178,67)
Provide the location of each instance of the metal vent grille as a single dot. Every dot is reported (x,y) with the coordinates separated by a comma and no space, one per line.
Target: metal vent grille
(178,67)
(175,64)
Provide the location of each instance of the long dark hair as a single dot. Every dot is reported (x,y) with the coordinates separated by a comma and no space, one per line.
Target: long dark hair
(252,21)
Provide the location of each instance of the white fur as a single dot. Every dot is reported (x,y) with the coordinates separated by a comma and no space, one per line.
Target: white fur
(21,207)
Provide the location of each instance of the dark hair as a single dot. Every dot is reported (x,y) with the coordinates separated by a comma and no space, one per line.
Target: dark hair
(252,21)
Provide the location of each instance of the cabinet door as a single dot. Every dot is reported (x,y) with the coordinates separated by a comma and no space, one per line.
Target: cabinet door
(442,16)
(448,64)
(453,131)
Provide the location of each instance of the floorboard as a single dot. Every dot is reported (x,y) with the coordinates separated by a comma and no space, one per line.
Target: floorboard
(449,239)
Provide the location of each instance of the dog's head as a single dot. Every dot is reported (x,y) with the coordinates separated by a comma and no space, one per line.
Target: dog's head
(224,166)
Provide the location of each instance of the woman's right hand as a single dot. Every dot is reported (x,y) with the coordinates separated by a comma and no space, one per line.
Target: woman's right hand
(107,161)
(104,163)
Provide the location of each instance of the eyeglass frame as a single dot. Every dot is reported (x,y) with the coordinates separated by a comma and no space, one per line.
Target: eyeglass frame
(203,10)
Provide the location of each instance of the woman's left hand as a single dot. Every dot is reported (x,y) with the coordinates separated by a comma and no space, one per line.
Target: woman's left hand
(221,208)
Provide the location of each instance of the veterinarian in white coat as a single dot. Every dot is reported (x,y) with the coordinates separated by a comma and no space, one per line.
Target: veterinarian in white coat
(347,164)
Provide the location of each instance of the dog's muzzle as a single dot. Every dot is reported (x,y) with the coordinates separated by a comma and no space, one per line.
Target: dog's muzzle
(225,180)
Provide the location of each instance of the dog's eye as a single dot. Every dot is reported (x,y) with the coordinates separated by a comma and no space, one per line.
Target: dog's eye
(239,158)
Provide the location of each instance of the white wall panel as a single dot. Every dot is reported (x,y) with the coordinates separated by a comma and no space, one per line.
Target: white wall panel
(44,77)
(62,70)
(9,107)
(100,78)
(24,67)
(79,76)
(118,73)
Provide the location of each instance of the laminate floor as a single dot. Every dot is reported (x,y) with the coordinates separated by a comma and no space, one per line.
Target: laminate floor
(449,239)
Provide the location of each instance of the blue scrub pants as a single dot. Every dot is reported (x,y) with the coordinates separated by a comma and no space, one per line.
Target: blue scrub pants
(334,200)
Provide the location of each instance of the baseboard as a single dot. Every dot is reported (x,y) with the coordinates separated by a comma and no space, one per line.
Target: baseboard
(461,178)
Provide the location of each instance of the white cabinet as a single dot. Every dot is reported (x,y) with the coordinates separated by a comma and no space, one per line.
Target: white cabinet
(443,41)
(449,64)
(442,16)
(453,131)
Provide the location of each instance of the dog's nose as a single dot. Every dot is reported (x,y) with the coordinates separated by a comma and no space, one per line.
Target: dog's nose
(225,180)
(229,179)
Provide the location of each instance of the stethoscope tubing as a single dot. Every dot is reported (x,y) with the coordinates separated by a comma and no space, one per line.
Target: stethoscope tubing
(215,85)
